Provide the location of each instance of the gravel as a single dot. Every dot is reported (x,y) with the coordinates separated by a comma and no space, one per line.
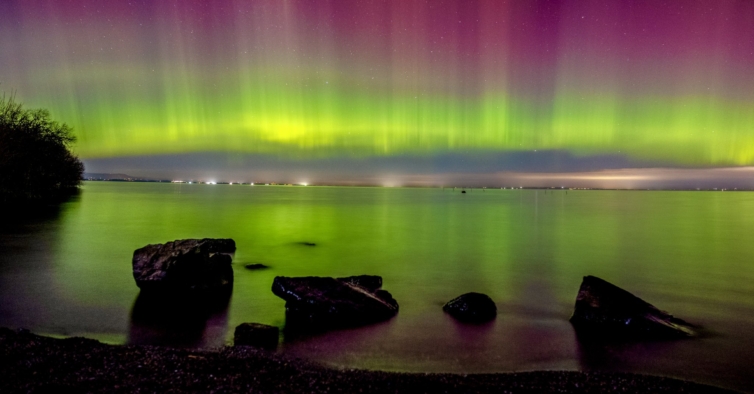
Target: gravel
(34,364)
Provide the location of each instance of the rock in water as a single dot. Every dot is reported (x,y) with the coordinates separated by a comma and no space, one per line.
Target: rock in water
(472,308)
(257,335)
(604,309)
(322,302)
(188,264)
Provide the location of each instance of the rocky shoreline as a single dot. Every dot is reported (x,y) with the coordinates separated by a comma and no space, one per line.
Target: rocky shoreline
(198,273)
(33,364)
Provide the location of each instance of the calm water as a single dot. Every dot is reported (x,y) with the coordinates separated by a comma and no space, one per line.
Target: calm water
(690,253)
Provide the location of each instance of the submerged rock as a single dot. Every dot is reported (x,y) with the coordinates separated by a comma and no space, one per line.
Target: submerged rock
(472,308)
(323,302)
(603,309)
(188,264)
(255,266)
(257,335)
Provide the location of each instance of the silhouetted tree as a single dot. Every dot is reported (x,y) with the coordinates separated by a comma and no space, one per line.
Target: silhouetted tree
(35,162)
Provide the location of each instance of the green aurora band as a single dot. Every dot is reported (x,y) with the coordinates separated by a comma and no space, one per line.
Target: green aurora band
(649,82)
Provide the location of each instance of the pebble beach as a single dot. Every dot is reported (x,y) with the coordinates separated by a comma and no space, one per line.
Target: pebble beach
(37,364)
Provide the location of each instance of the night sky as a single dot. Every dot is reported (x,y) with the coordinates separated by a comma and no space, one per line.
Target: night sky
(349,90)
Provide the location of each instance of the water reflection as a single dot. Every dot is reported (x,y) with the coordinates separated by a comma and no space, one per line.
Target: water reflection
(179,320)
(473,334)
(20,217)
(687,253)
(603,350)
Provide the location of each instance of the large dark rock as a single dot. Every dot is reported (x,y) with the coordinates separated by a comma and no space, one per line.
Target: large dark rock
(257,335)
(323,302)
(472,308)
(188,264)
(605,310)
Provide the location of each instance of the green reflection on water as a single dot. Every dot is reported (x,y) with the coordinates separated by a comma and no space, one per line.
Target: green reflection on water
(686,252)
(520,246)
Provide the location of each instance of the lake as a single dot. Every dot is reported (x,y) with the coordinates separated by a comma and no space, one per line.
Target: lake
(67,272)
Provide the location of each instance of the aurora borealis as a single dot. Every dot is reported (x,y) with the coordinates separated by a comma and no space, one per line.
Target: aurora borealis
(666,82)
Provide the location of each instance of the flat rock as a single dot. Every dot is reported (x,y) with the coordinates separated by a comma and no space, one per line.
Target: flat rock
(188,264)
(323,302)
(256,335)
(472,308)
(603,309)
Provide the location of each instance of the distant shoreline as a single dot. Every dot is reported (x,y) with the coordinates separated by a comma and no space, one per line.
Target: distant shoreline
(34,363)
(551,188)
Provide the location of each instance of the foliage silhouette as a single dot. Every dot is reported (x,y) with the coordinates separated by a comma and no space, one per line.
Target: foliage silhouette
(36,164)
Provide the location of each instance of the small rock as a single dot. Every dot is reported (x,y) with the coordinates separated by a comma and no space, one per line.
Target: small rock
(256,335)
(604,309)
(472,308)
(255,266)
